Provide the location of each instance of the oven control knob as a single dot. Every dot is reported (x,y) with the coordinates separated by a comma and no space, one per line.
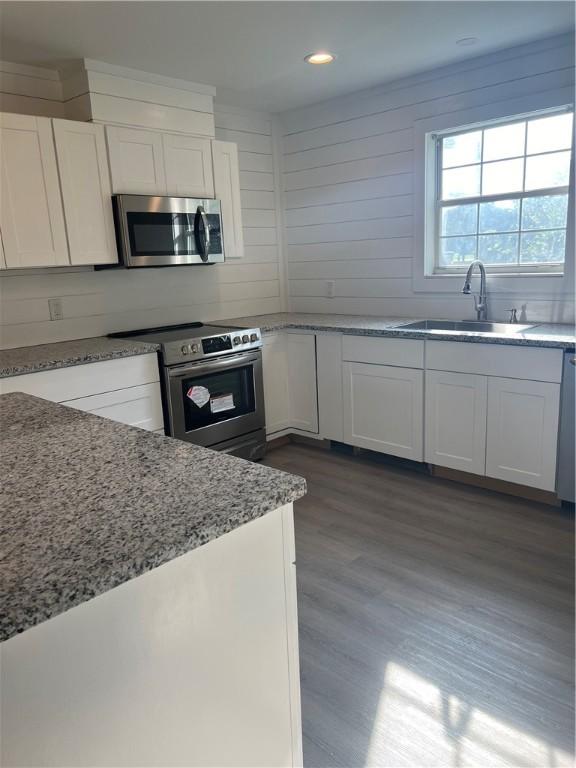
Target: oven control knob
(185,349)
(245,339)
(194,348)
(236,340)
(253,337)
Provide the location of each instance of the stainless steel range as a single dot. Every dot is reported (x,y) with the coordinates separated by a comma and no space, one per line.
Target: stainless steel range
(212,387)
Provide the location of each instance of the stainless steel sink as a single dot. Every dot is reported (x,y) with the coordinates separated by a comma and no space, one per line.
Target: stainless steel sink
(464,326)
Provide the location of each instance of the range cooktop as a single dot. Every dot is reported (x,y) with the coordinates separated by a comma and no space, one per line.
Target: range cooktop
(195,341)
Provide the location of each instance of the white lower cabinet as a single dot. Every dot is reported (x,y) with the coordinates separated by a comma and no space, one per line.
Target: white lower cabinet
(303,397)
(275,370)
(125,390)
(329,375)
(137,406)
(392,396)
(383,409)
(522,431)
(455,425)
(146,673)
(290,397)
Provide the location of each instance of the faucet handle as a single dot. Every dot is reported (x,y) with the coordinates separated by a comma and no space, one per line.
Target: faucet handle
(513,315)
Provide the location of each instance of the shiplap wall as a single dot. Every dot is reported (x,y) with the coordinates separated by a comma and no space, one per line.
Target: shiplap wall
(349,180)
(96,303)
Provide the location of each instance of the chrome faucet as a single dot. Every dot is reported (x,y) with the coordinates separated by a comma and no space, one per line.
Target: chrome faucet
(480,302)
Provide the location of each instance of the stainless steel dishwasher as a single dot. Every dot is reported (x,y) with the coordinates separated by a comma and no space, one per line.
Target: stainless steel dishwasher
(566,459)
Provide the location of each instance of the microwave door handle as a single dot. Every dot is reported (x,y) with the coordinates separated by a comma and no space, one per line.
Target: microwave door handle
(202,233)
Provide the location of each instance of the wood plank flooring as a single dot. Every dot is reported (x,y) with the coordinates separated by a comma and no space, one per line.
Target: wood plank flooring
(436,619)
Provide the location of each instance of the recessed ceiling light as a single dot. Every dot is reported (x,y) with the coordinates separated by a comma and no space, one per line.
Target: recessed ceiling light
(322,57)
(466,41)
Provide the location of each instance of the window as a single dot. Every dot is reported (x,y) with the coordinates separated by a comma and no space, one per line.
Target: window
(501,195)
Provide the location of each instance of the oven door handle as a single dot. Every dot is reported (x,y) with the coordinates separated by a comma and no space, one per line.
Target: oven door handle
(212,365)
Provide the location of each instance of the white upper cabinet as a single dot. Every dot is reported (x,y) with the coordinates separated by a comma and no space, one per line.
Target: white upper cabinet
(152,163)
(227,190)
(31,215)
(522,432)
(86,191)
(136,161)
(383,408)
(456,420)
(188,166)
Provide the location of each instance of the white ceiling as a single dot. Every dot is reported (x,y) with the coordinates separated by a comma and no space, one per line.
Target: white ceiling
(253,51)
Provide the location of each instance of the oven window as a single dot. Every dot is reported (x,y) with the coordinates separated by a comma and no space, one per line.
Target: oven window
(217,396)
(168,234)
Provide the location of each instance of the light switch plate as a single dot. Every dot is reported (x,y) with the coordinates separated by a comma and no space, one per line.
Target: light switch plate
(55,308)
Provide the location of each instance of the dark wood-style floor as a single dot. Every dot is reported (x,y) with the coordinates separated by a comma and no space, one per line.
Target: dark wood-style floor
(436,619)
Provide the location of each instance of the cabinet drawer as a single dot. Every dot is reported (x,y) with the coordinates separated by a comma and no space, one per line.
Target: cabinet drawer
(383,351)
(77,381)
(495,360)
(136,406)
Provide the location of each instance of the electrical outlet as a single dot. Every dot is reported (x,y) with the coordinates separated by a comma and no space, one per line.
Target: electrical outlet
(55,308)
(330,288)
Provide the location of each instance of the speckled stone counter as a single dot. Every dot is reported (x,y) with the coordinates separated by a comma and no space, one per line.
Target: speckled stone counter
(64,354)
(89,503)
(559,336)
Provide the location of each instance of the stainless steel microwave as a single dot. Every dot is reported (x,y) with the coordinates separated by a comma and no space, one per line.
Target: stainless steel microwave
(167,231)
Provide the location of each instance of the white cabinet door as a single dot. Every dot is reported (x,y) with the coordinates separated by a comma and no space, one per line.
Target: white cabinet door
(383,409)
(137,406)
(275,372)
(86,191)
(227,190)
(522,432)
(456,420)
(329,372)
(136,161)
(31,215)
(301,349)
(188,166)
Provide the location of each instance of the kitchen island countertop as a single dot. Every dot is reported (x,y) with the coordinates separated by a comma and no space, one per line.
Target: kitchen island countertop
(89,503)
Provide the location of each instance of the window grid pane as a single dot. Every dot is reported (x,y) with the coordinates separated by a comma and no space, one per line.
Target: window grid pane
(542,240)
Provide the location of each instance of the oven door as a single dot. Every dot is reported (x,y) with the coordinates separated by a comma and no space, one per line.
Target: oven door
(210,402)
(168,231)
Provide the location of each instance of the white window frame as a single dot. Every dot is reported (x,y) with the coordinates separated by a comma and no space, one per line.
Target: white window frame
(536,283)
(440,205)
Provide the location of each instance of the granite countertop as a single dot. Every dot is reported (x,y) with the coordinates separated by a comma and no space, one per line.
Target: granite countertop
(89,503)
(559,336)
(64,354)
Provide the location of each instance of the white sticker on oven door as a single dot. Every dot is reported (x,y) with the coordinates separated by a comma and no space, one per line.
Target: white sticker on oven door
(222,403)
(199,396)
